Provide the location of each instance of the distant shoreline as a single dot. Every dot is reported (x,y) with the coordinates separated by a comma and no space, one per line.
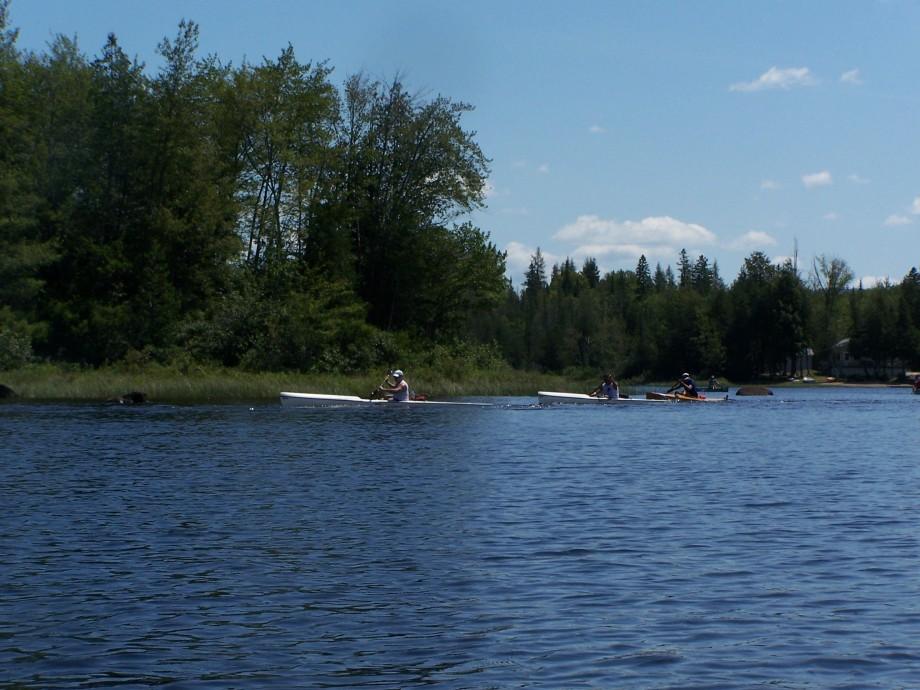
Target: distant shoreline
(47,382)
(844,384)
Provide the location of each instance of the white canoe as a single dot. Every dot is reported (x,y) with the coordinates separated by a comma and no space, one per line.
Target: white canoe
(326,400)
(551,398)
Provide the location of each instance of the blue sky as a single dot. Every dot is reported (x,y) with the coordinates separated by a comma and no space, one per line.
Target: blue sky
(620,128)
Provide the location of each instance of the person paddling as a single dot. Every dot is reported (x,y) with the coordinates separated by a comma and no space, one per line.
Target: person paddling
(687,384)
(608,388)
(400,389)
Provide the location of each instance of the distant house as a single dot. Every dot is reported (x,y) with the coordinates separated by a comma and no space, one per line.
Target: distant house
(802,363)
(844,365)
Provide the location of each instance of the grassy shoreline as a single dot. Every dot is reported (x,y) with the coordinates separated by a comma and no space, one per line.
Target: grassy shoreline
(164,384)
(48,382)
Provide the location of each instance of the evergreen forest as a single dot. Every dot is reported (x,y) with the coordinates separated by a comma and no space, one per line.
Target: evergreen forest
(263,216)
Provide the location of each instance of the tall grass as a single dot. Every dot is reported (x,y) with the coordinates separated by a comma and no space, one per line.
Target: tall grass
(202,384)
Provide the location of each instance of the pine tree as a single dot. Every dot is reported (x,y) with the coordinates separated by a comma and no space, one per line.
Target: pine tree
(535,277)
(591,272)
(644,283)
(684,271)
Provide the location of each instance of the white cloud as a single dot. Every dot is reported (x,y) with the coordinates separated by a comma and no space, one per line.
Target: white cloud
(874,281)
(894,220)
(818,179)
(830,216)
(653,230)
(775,78)
(752,239)
(596,129)
(857,179)
(543,168)
(851,77)
(769,184)
(488,190)
(915,207)
(517,258)
(660,237)
(622,251)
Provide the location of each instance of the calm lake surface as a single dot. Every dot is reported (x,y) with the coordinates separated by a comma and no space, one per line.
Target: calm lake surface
(766,542)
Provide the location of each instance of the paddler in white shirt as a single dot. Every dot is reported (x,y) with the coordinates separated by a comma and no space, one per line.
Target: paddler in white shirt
(609,389)
(400,389)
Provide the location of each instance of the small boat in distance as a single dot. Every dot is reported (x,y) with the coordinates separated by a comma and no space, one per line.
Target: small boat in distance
(289,399)
(715,386)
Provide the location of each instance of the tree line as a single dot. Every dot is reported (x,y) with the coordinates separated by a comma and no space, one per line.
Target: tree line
(647,324)
(261,216)
(254,215)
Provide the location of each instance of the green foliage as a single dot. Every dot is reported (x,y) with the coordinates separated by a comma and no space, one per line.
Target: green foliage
(638,325)
(590,272)
(535,278)
(302,323)
(457,273)
(830,279)
(286,118)
(407,168)
(458,359)
(15,341)
(24,251)
(644,282)
(882,329)
(258,217)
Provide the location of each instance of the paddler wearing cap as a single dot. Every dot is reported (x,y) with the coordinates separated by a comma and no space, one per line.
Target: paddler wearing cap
(689,387)
(608,388)
(400,389)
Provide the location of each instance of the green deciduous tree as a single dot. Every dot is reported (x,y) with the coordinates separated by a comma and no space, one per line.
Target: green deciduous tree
(748,333)
(287,116)
(259,216)
(409,165)
(788,318)
(830,278)
(24,248)
(460,274)
(95,279)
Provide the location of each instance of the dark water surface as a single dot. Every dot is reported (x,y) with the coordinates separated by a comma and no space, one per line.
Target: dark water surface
(767,542)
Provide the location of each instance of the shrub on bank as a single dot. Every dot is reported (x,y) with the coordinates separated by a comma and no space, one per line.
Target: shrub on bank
(166,383)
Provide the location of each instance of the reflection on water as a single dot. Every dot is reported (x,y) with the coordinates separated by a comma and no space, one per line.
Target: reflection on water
(766,542)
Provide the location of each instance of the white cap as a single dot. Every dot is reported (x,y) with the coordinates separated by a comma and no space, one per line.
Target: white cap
(398,373)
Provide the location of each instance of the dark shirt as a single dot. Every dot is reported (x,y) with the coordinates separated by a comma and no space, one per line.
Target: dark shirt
(690,388)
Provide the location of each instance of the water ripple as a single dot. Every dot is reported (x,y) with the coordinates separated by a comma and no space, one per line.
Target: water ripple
(735,546)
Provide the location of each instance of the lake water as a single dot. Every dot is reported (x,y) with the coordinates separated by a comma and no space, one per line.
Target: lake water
(766,542)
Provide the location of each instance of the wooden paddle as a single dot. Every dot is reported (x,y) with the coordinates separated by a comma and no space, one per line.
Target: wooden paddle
(376,392)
